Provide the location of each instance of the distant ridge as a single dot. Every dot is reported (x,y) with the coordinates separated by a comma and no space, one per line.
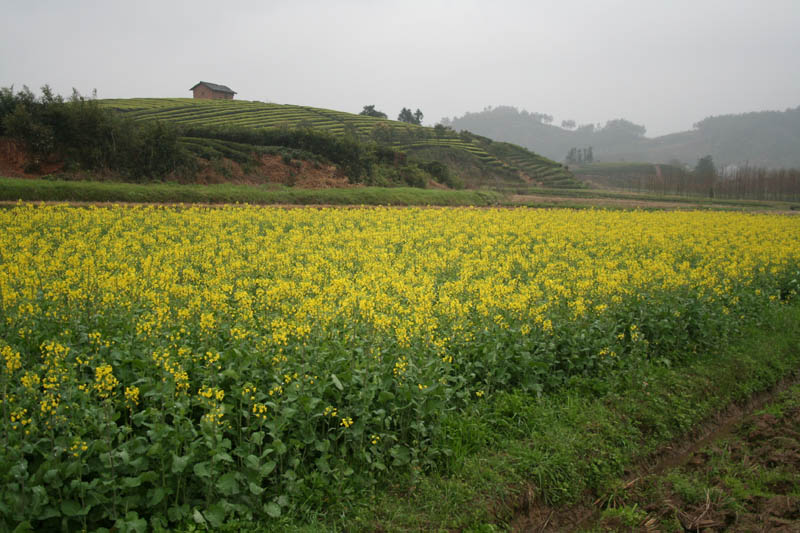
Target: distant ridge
(763,138)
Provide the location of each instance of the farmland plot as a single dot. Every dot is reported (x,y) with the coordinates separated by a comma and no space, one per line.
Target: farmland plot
(202,364)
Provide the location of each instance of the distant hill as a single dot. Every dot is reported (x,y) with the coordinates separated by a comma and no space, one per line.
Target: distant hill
(766,138)
(477,160)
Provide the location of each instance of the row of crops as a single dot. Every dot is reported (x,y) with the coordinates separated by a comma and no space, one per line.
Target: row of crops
(241,153)
(162,366)
(407,137)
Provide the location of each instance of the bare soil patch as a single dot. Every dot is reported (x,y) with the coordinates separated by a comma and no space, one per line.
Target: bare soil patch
(14,162)
(271,169)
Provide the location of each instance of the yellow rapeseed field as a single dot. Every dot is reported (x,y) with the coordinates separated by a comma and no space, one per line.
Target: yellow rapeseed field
(284,348)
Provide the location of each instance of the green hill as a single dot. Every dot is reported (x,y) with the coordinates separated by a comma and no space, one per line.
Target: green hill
(475,160)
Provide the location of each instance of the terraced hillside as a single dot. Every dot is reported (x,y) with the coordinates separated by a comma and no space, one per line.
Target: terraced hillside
(477,158)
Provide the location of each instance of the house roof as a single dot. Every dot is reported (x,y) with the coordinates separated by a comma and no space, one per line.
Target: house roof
(214,87)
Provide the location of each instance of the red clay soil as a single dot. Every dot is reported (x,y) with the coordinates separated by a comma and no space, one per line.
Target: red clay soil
(271,169)
(14,163)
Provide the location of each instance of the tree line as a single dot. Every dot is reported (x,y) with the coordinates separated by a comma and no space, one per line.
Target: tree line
(734,182)
(84,136)
(758,183)
(580,156)
(87,137)
(406,115)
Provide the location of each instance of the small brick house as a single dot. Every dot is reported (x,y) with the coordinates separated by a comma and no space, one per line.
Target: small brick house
(212,91)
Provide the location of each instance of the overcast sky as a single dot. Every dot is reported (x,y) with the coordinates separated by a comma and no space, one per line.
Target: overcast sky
(664,64)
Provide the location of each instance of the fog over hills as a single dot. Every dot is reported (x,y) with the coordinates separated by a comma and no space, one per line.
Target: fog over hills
(763,138)
(665,64)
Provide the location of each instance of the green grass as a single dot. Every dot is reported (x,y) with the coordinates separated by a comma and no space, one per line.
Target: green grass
(13,189)
(35,190)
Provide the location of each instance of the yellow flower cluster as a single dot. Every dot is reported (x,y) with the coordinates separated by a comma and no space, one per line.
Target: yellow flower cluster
(11,358)
(77,447)
(19,418)
(400,366)
(249,391)
(211,398)
(30,380)
(211,393)
(214,416)
(49,404)
(212,359)
(132,396)
(95,338)
(174,369)
(260,411)
(104,381)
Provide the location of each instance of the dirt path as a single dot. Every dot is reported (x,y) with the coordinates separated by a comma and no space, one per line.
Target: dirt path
(744,479)
(740,472)
(631,203)
(608,202)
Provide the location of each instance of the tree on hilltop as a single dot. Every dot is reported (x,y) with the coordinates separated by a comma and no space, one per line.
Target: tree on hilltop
(412,118)
(370,111)
(623,129)
(441,130)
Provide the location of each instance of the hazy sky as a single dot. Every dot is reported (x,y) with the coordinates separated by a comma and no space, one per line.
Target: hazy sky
(665,64)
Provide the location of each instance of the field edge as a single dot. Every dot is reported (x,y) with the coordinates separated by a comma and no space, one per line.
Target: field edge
(555,456)
(36,190)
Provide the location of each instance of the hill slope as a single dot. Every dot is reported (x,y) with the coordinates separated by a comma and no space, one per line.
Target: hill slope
(478,161)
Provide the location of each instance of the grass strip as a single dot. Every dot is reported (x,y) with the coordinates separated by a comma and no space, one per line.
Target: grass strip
(515,450)
(611,194)
(14,189)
